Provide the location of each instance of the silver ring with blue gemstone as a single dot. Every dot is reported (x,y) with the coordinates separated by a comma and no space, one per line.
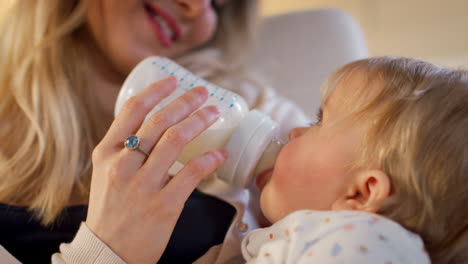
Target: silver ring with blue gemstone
(133,143)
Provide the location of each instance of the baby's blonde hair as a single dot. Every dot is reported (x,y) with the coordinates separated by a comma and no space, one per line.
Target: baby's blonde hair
(419,137)
(48,116)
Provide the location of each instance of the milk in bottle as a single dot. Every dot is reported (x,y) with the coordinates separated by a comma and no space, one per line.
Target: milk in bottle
(250,137)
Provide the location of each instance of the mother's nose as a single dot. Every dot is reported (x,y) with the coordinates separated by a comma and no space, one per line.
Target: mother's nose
(193,8)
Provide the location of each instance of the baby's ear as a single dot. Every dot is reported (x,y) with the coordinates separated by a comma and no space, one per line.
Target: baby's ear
(366,193)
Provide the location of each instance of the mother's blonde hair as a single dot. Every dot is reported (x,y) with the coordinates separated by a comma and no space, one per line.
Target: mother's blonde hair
(47,129)
(419,137)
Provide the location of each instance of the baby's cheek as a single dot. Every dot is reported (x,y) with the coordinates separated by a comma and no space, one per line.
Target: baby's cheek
(287,168)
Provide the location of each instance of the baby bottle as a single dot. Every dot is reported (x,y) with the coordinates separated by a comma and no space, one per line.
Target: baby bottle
(250,137)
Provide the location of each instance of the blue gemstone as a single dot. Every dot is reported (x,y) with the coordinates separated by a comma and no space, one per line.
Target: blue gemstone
(132,142)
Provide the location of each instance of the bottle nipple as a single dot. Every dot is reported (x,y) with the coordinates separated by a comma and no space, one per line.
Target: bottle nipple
(268,159)
(252,147)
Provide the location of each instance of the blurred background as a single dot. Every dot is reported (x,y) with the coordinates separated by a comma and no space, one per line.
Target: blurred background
(435,30)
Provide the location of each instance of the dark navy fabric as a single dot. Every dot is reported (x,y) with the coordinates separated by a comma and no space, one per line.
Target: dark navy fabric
(203,223)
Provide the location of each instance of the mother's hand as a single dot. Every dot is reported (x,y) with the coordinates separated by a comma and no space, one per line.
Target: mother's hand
(133,206)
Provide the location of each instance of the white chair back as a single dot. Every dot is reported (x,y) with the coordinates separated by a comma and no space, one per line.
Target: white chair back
(297,51)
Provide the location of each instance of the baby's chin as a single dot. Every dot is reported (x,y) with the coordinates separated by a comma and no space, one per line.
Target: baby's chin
(263,221)
(267,205)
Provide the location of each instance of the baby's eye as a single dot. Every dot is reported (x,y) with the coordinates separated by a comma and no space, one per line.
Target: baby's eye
(318,117)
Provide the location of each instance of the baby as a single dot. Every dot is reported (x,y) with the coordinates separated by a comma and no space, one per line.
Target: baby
(380,178)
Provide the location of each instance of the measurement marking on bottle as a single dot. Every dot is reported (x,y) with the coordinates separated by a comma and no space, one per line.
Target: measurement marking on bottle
(187,81)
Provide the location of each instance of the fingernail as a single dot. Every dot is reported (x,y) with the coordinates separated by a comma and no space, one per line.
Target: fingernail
(161,88)
(170,78)
(211,112)
(214,109)
(223,153)
(168,83)
(201,91)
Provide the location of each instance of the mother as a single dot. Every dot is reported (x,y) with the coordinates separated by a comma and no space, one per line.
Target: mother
(61,67)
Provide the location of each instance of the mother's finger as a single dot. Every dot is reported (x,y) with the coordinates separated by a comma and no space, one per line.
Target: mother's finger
(135,109)
(176,111)
(182,185)
(169,147)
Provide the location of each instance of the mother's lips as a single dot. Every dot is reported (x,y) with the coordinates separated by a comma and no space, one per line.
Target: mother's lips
(164,23)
